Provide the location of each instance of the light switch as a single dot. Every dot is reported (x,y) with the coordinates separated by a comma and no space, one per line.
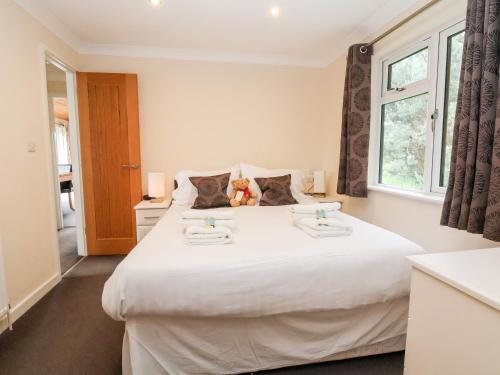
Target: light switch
(31,147)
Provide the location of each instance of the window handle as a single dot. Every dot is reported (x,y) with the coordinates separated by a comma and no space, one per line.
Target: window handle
(399,89)
(434,117)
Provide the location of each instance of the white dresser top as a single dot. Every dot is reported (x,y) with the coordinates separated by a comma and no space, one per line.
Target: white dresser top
(144,205)
(474,272)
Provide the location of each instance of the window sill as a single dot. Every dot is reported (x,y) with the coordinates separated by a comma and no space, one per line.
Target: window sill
(423,197)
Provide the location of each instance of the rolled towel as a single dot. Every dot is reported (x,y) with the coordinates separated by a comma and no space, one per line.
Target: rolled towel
(311,209)
(323,227)
(206,214)
(208,235)
(216,222)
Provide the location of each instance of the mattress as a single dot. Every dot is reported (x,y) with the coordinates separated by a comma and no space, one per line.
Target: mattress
(271,268)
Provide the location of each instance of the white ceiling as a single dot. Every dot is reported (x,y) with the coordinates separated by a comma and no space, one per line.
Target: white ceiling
(309,32)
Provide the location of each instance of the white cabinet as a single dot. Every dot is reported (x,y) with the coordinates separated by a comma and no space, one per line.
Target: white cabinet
(147,214)
(454,318)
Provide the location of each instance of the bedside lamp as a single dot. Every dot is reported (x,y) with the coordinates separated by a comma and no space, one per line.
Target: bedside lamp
(319,183)
(156,187)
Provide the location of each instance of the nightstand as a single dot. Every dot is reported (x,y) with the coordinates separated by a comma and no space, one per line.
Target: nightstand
(147,214)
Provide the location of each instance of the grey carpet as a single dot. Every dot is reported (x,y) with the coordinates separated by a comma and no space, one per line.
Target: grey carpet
(69,217)
(68,333)
(68,250)
(95,266)
(385,364)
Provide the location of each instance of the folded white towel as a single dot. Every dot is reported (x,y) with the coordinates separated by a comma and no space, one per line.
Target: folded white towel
(311,209)
(229,223)
(206,214)
(208,235)
(322,234)
(325,214)
(323,227)
(323,224)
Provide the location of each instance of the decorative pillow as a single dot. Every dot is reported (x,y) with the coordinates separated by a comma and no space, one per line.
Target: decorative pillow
(186,193)
(251,171)
(275,190)
(212,191)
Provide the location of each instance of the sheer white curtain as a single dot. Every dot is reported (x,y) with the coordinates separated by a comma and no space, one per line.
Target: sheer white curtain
(62,144)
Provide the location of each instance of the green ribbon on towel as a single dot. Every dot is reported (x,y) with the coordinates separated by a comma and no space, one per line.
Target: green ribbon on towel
(320,214)
(210,221)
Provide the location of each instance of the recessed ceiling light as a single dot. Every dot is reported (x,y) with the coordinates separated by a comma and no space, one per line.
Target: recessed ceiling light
(156,3)
(275,11)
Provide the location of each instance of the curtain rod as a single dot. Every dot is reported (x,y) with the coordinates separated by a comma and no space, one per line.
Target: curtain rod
(364,48)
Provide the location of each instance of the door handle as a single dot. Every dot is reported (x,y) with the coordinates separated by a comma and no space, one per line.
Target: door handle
(131,166)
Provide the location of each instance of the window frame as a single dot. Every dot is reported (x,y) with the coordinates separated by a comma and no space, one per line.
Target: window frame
(400,55)
(440,103)
(434,86)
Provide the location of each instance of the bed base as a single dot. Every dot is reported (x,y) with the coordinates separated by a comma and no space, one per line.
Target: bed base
(168,345)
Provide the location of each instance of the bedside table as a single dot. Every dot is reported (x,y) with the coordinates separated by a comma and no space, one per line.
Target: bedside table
(147,214)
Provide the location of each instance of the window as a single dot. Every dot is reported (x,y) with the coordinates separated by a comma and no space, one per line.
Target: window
(61,142)
(454,46)
(403,142)
(408,70)
(416,109)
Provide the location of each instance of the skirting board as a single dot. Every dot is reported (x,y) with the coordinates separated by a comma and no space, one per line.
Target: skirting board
(27,302)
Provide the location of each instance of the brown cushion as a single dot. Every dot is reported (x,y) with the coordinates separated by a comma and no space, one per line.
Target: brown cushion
(275,190)
(211,191)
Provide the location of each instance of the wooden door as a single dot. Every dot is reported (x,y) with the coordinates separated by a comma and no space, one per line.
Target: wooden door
(109,137)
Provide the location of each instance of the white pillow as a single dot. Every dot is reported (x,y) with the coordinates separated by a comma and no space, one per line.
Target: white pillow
(296,186)
(186,193)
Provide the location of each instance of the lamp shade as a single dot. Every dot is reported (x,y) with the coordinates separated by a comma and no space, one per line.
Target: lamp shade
(319,182)
(156,185)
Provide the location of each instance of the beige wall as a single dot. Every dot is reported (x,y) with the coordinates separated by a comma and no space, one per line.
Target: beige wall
(27,214)
(416,220)
(206,115)
(193,115)
(56,89)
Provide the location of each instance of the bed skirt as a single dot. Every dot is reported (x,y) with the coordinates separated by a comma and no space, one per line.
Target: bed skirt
(189,346)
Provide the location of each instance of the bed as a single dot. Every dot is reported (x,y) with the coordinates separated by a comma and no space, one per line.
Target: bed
(274,298)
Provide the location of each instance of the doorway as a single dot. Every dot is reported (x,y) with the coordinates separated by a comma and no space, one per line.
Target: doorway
(64,137)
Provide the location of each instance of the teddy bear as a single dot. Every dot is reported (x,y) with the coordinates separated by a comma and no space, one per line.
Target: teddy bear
(241,194)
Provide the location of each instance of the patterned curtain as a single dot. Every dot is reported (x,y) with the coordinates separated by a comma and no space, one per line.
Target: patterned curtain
(472,199)
(353,166)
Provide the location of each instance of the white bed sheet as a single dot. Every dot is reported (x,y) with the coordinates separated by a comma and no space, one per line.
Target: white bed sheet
(271,268)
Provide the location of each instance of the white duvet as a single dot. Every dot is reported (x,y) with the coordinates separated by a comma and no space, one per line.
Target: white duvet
(271,268)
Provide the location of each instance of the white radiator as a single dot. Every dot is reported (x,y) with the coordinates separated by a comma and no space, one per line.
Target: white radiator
(4,300)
